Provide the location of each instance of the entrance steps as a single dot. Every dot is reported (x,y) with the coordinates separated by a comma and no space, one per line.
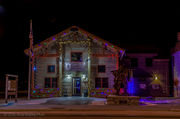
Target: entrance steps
(102,102)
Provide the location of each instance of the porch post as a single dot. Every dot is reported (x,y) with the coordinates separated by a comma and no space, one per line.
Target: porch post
(89,67)
(60,64)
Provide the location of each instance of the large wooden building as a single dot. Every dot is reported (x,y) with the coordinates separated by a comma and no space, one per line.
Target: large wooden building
(73,62)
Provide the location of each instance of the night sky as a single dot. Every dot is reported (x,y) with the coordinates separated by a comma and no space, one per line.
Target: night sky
(120,23)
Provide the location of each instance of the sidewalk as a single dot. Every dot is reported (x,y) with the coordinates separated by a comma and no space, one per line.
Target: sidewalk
(72,104)
(55,107)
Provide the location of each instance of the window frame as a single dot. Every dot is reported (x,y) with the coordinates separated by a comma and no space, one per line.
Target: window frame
(136,63)
(147,62)
(98,69)
(155,86)
(101,82)
(51,82)
(142,86)
(76,52)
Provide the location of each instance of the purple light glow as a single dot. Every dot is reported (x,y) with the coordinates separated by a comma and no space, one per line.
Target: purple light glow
(39,44)
(54,39)
(106,44)
(64,33)
(157,101)
(131,86)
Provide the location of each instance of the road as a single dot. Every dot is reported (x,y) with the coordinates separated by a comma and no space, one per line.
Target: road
(91,114)
(85,118)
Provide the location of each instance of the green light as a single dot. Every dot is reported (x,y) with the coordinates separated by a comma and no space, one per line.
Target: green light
(112,46)
(45,43)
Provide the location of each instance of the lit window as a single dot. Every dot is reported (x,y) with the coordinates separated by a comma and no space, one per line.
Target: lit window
(142,86)
(76,56)
(51,68)
(101,83)
(50,83)
(101,68)
(155,86)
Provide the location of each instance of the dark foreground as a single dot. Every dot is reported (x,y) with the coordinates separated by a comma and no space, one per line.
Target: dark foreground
(90,114)
(84,118)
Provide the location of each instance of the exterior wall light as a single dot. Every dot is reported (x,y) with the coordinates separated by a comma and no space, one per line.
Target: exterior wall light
(67,66)
(83,76)
(68,76)
(155,76)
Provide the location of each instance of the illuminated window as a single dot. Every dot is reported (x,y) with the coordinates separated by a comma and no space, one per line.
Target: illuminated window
(142,86)
(50,83)
(101,68)
(76,56)
(51,68)
(155,86)
(134,62)
(101,82)
(149,62)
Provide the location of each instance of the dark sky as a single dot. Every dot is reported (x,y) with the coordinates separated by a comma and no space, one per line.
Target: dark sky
(119,23)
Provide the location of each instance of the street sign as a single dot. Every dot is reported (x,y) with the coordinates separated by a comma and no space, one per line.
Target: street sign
(11,86)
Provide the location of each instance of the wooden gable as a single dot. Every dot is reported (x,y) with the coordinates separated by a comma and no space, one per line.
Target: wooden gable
(75,34)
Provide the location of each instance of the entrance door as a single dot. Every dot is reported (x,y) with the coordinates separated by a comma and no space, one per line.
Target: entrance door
(76,86)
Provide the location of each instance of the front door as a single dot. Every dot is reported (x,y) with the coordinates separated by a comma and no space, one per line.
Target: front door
(76,86)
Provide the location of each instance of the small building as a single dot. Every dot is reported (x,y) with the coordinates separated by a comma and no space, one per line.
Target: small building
(150,70)
(176,67)
(74,62)
(150,74)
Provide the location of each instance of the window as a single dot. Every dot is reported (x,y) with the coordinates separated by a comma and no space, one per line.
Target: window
(50,83)
(54,82)
(51,68)
(76,56)
(155,86)
(47,82)
(101,68)
(142,86)
(101,83)
(134,62)
(149,62)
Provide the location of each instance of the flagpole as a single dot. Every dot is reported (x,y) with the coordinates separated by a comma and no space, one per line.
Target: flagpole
(29,80)
(31,62)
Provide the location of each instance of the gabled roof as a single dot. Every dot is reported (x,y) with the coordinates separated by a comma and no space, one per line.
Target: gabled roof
(64,32)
